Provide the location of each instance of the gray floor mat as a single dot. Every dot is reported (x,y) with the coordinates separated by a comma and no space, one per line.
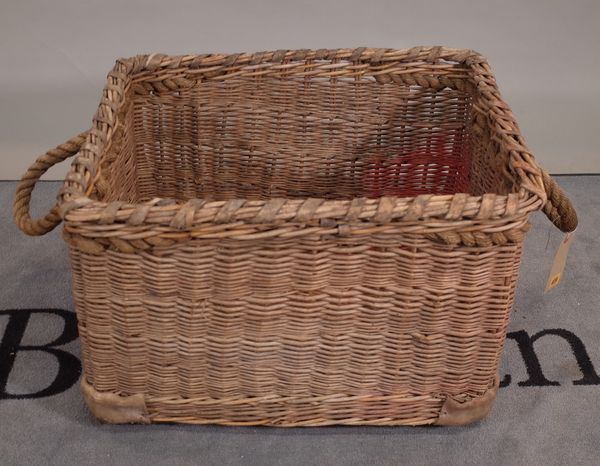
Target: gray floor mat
(540,424)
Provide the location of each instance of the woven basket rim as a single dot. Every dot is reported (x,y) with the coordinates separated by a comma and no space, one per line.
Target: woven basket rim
(75,205)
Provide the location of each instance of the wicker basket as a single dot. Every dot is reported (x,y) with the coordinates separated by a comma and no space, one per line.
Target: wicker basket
(296,238)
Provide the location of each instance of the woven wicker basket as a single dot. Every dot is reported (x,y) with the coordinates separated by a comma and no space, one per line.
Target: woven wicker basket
(296,238)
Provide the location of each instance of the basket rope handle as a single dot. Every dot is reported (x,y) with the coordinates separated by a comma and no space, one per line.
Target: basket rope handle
(558,208)
(21,214)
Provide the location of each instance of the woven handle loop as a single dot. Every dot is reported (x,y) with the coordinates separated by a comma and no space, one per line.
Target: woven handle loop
(558,207)
(21,214)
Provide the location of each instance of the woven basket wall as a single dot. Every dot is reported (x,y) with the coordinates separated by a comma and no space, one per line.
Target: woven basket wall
(299,237)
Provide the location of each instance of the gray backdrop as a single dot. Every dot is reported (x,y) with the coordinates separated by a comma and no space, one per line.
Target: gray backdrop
(55,55)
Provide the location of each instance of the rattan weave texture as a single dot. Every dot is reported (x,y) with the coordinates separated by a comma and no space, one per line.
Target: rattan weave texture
(296,237)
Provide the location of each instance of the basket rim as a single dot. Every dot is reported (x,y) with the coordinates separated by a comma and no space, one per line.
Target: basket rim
(445,211)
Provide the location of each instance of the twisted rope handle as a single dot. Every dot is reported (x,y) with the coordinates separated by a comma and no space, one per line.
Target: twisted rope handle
(37,227)
(558,207)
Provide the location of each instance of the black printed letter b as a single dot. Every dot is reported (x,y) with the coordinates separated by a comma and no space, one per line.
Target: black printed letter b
(69,367)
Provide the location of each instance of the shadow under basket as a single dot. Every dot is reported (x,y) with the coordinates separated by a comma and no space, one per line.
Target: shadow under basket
(296,238)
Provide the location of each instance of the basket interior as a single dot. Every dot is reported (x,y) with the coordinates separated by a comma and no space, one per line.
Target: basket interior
(335,138)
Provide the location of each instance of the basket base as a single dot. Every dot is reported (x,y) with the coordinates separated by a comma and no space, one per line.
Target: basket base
(272,410)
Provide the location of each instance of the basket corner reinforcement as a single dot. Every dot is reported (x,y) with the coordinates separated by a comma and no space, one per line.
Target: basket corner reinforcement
(113,408)
(455,413)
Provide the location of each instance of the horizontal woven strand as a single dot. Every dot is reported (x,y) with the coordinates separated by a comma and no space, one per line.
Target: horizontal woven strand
(336,409)
(432,207)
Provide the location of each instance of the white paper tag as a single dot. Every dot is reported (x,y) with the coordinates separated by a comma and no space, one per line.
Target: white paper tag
(560,259)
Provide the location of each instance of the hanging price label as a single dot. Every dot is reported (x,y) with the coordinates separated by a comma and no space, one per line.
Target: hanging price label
(560,259)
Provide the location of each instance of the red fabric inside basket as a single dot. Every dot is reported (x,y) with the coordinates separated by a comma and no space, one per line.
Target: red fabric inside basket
(441,167)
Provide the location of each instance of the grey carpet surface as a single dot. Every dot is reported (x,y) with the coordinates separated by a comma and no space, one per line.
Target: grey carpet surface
(549,425)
